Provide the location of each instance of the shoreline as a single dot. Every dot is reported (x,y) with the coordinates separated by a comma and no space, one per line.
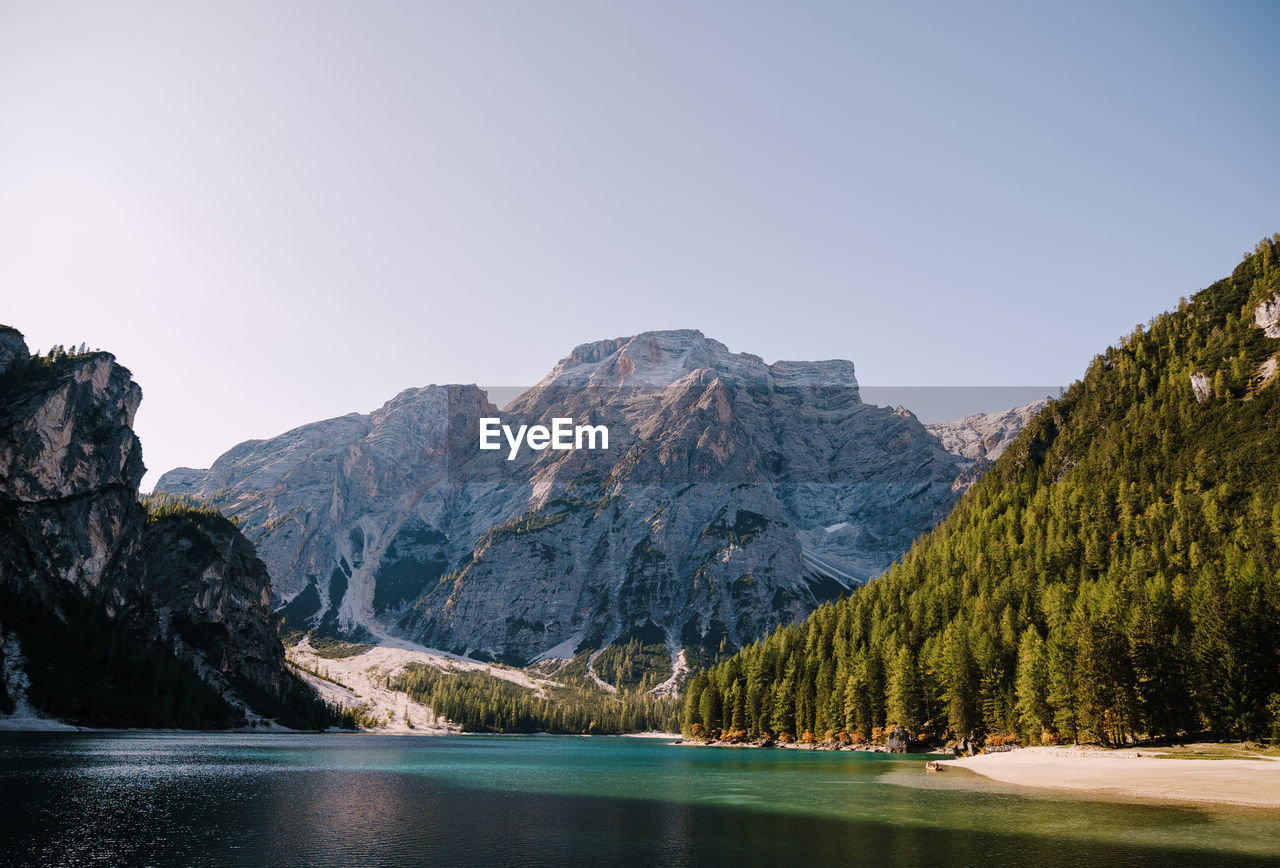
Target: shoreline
(823,747)
(44,724)
(1145,775)
(653,733)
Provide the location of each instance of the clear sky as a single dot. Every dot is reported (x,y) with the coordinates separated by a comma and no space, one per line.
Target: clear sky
(279,212)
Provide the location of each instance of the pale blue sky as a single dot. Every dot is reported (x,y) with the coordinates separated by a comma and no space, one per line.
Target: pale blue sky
(278,212)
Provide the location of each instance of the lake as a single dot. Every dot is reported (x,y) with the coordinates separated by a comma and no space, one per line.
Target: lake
(249,799)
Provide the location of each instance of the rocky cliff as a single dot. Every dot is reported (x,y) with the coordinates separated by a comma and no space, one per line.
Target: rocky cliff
(69,471)
(734,496)
(212,596)
(83,570)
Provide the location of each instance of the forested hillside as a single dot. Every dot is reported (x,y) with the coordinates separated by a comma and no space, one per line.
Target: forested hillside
(1116,574)
(482,703)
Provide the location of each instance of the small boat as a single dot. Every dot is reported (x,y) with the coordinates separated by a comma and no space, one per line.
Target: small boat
(933,766)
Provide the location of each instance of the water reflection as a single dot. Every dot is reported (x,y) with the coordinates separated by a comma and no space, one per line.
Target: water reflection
(315,800)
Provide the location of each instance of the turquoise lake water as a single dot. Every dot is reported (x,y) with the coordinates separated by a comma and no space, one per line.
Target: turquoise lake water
(242,799)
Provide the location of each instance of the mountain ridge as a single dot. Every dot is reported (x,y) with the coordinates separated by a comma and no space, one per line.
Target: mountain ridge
(409,522)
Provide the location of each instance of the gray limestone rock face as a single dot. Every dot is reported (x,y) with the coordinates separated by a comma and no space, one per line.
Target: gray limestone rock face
(1265,372)
(69,471)
(1201,387)
(1267,317)
(334,505)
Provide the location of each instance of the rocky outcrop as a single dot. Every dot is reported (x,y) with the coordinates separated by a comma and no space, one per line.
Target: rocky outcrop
(1267,317)
(75,536)
(1265,372)
(734,496)
(213,596)
(1200,386)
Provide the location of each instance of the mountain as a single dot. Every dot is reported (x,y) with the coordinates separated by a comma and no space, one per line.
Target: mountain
(1114,575)
(984,436)
(734,496)
(110,614)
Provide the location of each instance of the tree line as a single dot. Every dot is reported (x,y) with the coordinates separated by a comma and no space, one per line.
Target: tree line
(479,702)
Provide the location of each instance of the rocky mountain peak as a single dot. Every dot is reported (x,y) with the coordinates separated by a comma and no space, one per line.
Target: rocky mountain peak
(662,358)
(66,424)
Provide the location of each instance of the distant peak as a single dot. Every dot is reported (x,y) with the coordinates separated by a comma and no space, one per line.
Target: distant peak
(598,351)
(661,357)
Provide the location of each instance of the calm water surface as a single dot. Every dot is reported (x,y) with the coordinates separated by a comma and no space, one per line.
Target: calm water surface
(141,798)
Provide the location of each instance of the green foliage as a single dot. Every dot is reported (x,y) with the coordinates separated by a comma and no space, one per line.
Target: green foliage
(637,660)
(88,670)
(297,706)
(91,671)
(747,525)
(480,702)
(161,505)
(1115,574)
(336,649)
(38,370)
(357,717)
(545,516)
(633,665)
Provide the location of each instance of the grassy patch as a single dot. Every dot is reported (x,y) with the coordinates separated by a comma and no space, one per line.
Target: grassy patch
(336,649)
(1238,750)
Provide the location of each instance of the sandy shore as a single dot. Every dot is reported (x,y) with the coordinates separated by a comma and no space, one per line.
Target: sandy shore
(652,734)
(1136,774)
